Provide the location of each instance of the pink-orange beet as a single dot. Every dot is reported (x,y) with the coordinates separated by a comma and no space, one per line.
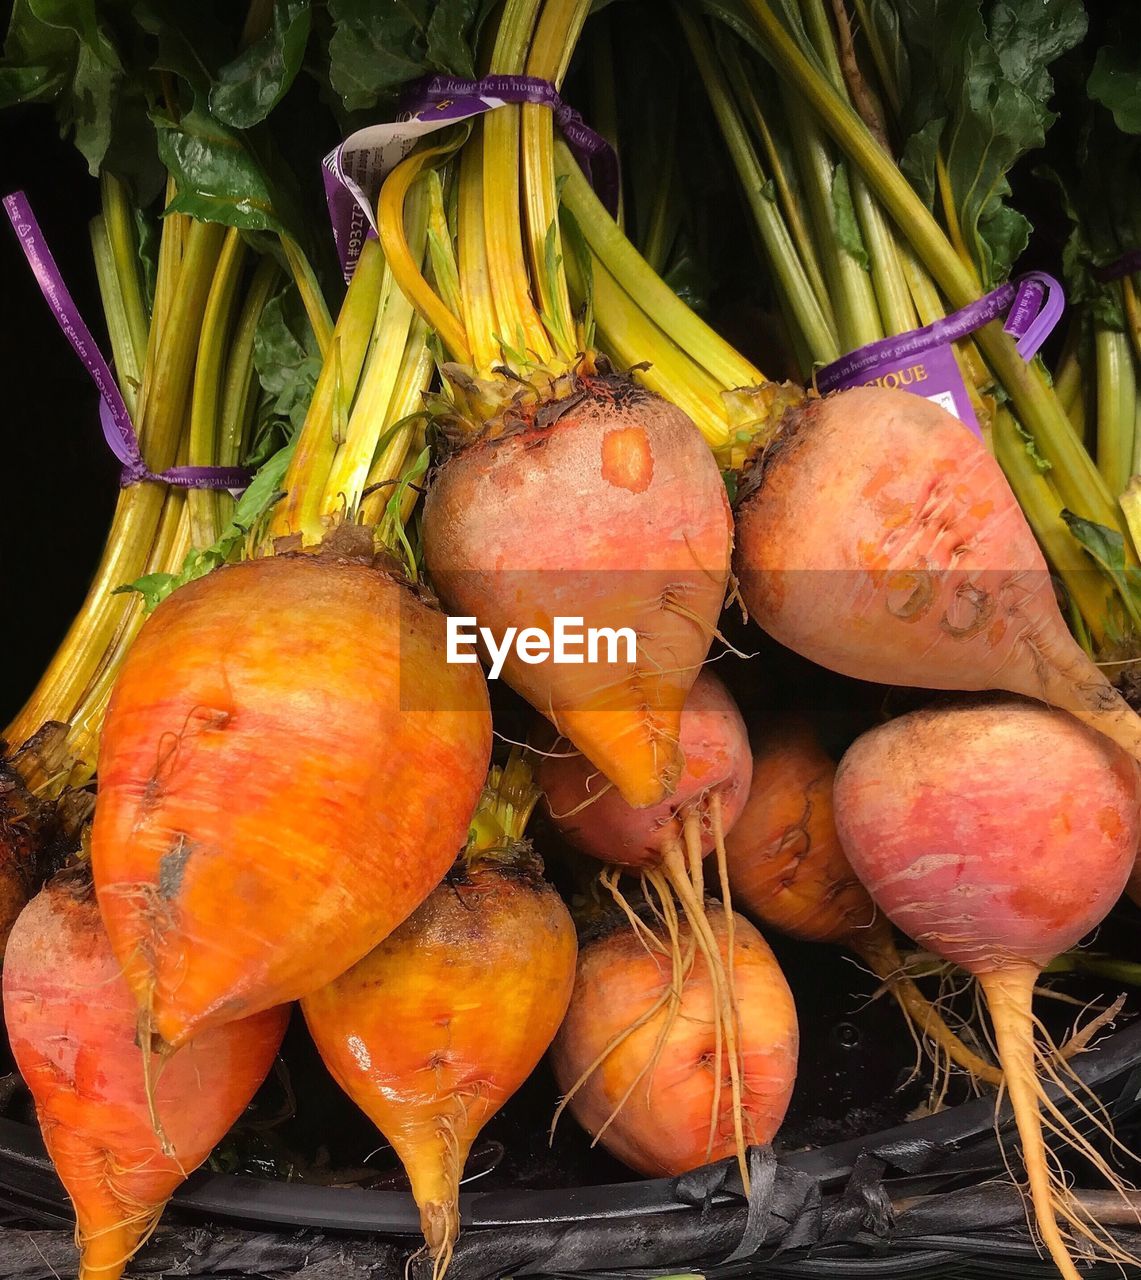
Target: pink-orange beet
(787,869)
(997,833)
(607,507)
(594,817)
(876,536)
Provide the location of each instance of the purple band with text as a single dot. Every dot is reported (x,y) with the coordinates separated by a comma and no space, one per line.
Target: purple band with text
(113,416)
(922,361)
(353,173)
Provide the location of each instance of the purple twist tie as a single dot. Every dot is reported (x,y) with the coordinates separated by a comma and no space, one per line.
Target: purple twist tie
(114,418)
(1126,265)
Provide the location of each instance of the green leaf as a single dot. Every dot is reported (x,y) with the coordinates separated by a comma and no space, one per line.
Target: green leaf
(264,490)
(248,88)
(1095,163)
(918,158)
(1107,546)
(38,58)
(576,246)
(377,49)
(847,226)
(1115,82)
(1097,184)
(153,587)
(148,239)
(689,278)
(881,23)
(449,36)
(1031,447)
(392,530)
(218,178)
(984,72)
(444,268)
(288,363)
(132,154)
(58,51)
(552,266)
(188,42)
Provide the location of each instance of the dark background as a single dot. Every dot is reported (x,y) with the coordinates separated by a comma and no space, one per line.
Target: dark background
(59,481)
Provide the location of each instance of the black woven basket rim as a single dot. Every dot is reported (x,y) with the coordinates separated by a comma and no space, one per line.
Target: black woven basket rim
(26,1170)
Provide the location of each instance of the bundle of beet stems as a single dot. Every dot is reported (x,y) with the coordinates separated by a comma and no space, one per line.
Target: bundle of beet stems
(186,373)
(182,345)
(857,255)
(184,363)
(1092,159)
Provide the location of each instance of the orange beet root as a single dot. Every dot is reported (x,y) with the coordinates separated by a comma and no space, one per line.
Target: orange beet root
(437,1027)
(661,1072)
(287,768)
(877,537)
(613,512)
(785,861)
(72,1025)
